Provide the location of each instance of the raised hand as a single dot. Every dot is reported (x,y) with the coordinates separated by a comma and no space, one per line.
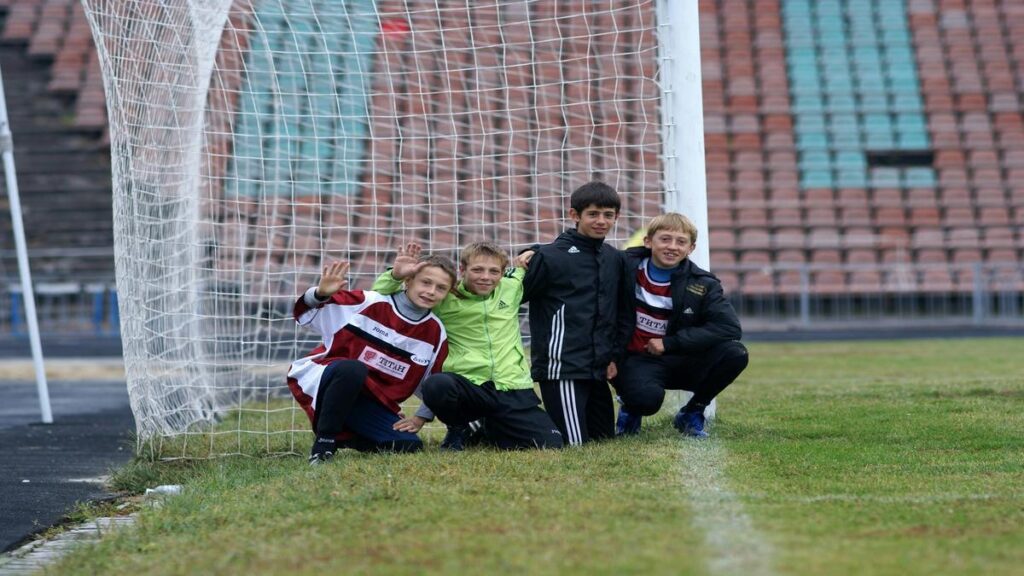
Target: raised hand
(407,261)
(334,278)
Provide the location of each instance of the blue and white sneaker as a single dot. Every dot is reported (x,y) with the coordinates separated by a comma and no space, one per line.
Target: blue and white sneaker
(690,424)
(627,424)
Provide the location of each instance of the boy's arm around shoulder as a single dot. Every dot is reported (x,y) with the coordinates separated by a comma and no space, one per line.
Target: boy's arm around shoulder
(512,285)
(536,278)
(721,324)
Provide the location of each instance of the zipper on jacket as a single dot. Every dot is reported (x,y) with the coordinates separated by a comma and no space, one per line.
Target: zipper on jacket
(597,313)
(487,333)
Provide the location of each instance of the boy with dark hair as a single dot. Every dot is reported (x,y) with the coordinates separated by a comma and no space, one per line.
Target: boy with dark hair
(485,376)
(573,288)
(679,330)
(375,351)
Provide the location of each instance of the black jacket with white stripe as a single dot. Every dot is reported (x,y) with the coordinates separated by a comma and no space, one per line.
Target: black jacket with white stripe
(572,285)
(701,315)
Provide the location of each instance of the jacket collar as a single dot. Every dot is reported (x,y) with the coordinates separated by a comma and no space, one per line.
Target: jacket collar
(578,239)
(463,293)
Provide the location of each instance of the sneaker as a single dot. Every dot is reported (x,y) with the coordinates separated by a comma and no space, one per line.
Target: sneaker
(322,450)
(627,423)
(319,458)
(455,439)
(690,424)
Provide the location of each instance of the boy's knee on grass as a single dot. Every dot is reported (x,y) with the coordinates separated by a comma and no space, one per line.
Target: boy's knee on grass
(405,446)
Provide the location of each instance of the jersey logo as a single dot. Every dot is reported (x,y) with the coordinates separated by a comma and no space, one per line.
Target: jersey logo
(383,363)
(688,311)
(574,250)
(650,324)
(502,305)
(696,289)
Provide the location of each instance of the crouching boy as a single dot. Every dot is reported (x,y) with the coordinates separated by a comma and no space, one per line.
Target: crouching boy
(681,332)
(375,351)
(486,378)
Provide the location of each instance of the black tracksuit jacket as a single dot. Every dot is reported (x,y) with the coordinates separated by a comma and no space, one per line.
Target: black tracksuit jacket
(572,285)
(711,320)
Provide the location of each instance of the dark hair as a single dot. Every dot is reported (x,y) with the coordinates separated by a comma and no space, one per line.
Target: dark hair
(443,262)
(595,193)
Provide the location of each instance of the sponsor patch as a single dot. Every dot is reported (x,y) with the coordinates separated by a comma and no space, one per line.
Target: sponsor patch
(383,363)
(650,324)
(696,289)
(381,332)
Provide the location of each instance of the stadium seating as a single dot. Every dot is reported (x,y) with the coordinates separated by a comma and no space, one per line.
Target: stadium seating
(801,97)
(864,77)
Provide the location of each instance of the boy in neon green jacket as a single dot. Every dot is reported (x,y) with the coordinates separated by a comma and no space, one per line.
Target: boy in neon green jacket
(486,375)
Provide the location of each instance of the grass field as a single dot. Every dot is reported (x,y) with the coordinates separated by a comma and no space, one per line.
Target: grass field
(902,457)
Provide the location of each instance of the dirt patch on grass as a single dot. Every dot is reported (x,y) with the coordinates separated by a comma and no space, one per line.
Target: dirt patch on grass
(66,369)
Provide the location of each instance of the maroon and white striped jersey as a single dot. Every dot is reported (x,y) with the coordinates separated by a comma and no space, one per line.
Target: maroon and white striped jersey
(653,308)
(368,327)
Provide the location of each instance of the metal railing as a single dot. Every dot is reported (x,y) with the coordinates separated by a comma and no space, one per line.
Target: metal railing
(767,298)
(824,296)
(74,291)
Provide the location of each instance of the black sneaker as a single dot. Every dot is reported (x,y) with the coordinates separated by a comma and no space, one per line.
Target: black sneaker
(455,439)
(322,451)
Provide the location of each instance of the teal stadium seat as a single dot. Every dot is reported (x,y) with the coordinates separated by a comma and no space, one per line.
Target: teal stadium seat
(816,179)
(885,178)
(815,160)
(920,177)
(303,121)
(841,104)
(859,68)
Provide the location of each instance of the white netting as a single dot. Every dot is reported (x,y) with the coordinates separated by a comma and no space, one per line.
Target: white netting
(254,139)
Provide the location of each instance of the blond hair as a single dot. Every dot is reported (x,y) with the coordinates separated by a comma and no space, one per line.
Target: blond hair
(673,222)
(437,261)
(489,249)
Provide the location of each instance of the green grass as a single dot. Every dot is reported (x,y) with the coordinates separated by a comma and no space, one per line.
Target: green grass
(846,458)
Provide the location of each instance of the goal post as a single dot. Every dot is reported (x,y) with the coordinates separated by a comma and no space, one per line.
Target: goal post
(254,139)
(682,116)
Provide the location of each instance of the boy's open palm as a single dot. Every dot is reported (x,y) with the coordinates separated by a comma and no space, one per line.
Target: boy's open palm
(334,278)
(407,262)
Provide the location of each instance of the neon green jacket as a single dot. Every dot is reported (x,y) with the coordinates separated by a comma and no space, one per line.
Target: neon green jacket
(483,332)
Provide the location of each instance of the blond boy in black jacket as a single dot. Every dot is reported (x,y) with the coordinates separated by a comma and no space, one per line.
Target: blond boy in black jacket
(679,331)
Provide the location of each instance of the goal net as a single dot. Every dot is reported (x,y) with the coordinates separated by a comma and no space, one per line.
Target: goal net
(253,140)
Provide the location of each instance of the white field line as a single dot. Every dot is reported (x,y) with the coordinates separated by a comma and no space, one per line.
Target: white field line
(833,382)
(881,499)
(733,544)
